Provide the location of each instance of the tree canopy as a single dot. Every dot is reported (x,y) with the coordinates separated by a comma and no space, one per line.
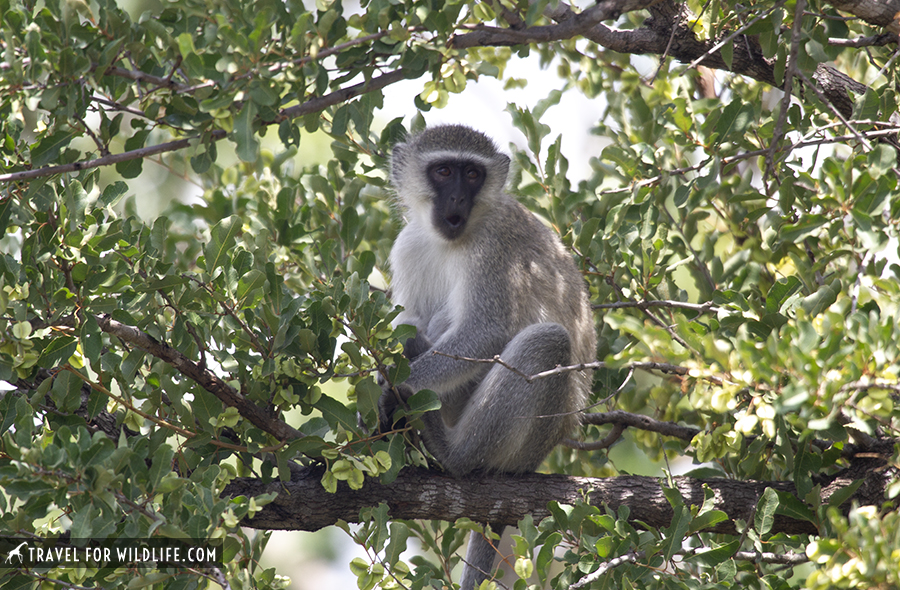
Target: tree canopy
(192,372)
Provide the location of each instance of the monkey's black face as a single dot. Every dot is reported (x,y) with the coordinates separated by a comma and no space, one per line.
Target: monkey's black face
(456,184)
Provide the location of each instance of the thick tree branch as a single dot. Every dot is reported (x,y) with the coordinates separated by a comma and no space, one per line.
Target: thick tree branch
(882,13)
(303,504)
(570,25)
(202,376)
(668,32)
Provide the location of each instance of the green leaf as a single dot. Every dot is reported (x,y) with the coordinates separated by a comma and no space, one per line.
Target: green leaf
(822,299)
(66,391)
(424,401)
(707,520)
(336,413)
(791,506)
(59,349)
(49,148)
(780,292)
(243,135)
(843,494)
(223,235)
(716,555)
(112,194)
(765,511)
(881,159)
(397,545)
(728,54)
(162,464)
(252,280)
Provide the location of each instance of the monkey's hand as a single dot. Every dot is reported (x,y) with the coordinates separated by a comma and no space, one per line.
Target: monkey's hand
(416,346)
(391,399)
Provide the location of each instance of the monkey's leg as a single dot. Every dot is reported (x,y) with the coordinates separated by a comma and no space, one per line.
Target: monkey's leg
(509,424)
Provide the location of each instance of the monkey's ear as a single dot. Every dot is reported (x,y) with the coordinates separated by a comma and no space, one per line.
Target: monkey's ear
(398,154)
(501,164)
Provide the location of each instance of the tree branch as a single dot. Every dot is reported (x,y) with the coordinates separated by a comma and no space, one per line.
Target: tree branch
(668,32)
(202,376)
(882,13)
(643,422)
(570,25)
(630,557)
(312,105)
(708,307)
(303,504)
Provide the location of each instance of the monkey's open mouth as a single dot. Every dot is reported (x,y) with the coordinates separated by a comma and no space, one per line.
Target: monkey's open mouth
(455,221)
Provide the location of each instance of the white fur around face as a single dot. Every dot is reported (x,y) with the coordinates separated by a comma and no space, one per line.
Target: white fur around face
(428,279)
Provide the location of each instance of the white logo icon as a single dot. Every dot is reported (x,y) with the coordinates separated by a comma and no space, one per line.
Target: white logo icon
(17,552)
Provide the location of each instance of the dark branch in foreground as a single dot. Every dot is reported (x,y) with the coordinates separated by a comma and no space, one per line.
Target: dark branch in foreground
(669,32)
(303,504)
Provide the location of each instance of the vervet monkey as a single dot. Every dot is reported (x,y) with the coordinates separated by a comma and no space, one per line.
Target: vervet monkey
(478,275)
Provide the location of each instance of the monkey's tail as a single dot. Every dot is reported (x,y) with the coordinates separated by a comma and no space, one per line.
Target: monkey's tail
(479,564)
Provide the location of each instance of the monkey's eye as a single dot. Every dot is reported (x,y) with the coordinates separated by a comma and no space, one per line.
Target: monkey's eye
(443,171)
(472,174)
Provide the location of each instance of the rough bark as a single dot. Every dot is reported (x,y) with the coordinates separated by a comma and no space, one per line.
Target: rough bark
(303,504)
(884,13)
(669,33)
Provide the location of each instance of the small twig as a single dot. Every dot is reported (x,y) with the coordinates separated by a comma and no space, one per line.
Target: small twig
(144,152)
(887,64)
(863,386)
(789,558)
(323,53)
(854,300)
(119,107)
(124,403)
(884,131)
(789,73)
(871,41)
(615,393)
(142,77)
(100,147)
(496,360)
(665,54)
(630,557)
(650,314)
(577,24)
(707,307)
(641,366)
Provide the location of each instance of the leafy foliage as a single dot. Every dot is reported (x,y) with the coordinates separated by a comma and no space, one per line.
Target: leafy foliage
(748,241)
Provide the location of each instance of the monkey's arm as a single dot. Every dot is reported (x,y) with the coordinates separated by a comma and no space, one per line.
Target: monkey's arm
(447,376)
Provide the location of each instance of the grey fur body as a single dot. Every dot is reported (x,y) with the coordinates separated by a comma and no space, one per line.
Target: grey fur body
(503,284)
